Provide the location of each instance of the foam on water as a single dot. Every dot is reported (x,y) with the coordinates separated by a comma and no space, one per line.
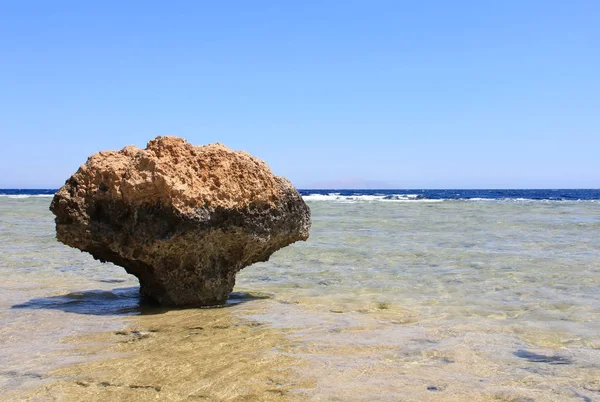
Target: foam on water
(430,196)
(22,196)
(337,197)
(416,198)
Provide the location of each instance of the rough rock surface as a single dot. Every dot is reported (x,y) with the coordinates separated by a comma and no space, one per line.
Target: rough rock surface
(184,219)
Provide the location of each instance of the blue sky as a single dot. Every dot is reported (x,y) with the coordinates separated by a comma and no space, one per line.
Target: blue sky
(404,94)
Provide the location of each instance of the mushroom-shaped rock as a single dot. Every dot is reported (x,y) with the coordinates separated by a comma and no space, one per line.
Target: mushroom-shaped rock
(183,219)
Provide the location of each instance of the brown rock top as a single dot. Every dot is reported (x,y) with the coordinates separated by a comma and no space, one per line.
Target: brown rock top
(177,173)
(182,218)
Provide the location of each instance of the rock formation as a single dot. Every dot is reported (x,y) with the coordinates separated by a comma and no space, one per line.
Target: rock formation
(183,219)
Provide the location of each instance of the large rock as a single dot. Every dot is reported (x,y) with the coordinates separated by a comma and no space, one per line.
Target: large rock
(184,219)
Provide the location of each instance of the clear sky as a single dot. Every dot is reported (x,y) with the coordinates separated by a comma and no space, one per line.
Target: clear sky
(404,94)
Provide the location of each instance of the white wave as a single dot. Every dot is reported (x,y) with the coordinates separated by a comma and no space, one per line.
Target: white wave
(414,198)
(336,197)
(19,196)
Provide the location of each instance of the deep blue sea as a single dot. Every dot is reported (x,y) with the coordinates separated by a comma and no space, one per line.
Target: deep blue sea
(450,194)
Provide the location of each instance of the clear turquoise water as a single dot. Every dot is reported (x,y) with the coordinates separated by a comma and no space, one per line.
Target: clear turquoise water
(430,299)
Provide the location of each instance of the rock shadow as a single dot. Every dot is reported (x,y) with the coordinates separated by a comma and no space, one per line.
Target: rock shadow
(124,301)
(539,358)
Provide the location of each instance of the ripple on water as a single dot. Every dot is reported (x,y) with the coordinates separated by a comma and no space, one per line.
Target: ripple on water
(453,300)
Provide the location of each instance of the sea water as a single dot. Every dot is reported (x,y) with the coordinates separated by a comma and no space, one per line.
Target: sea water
(397,295)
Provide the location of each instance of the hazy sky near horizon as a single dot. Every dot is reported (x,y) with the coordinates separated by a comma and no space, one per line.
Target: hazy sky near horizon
(403,94)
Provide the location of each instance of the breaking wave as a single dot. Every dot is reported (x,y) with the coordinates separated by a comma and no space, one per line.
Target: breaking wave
(17,196)
(382,198)
(513,196)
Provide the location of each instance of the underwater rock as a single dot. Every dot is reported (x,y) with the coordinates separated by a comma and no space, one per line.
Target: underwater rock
(183,219)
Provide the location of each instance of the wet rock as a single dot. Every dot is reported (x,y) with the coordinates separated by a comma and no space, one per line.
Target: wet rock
(183,219)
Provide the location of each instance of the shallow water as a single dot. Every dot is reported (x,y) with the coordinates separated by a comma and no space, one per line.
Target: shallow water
(413,300)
